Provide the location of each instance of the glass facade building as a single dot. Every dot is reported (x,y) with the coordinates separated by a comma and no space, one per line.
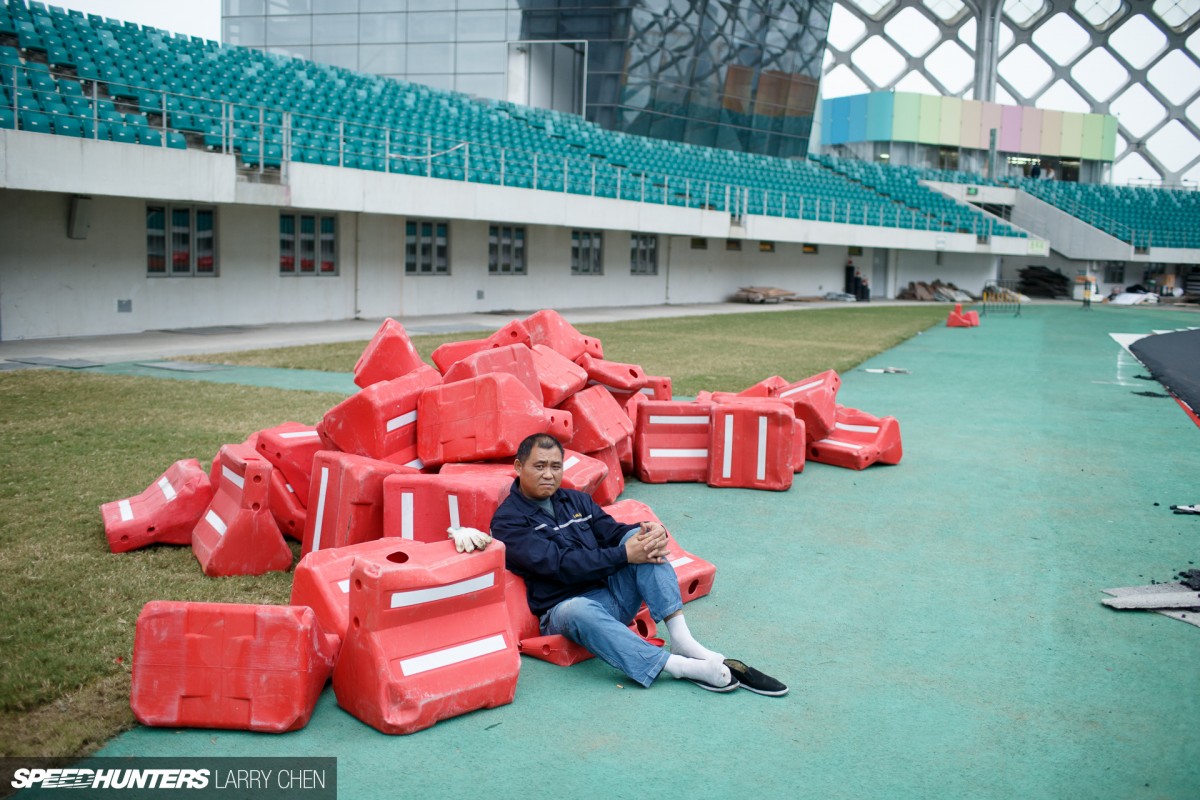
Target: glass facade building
(736,74)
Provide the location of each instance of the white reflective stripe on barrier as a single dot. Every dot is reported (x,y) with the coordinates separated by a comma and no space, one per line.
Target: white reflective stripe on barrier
(298,434)
(760,472)
(406,515)
(415,597)
(416,463)
(452,501)
(316,545)
(727,463)
(401,421)
(836,443)
(233,477)
(681,561)
(126,510)
(344,585)
(452,655)
(658,419)
(612,389)
(801,388)
(572,461)
(856,428)
(167,489)
(668,452)
(289,488)
(217,523)
(647,390)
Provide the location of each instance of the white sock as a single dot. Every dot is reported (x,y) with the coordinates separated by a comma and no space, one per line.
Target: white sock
(711,672)
(683,643)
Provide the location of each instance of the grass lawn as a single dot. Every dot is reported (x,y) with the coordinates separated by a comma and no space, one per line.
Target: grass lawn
(70,441)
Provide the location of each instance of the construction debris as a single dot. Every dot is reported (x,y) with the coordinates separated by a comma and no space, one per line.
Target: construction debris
(762,294)
(935,292)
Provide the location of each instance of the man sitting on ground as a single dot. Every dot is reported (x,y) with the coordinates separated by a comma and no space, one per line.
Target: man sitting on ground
(586,576)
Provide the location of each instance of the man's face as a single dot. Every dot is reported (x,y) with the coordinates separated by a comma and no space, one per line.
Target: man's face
(541,473)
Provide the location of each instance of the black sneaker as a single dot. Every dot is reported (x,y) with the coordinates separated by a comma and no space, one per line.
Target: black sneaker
(729,687)
(755,681)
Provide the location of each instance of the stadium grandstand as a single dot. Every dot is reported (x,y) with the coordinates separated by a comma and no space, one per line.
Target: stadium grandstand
(151,180)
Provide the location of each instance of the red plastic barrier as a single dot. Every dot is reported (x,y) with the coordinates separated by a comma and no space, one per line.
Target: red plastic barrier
(751,445)
(381,420)
(421,507)
(549,328)
(671,442)
(614,483)
(447,355)
(237,534)
(322,581)
(346,500)
(290,447)
(958,319)
(555,648)
(285,506)
(559,376)
(613,375)
(599,420)
(428,639)
(625,455)
(515,359)
(767,387)
(658,387)
(696,576)
(165,513)
(859,440)
(224,665)
(482,419)
(486,468)
(799,440)
(388,355)
(583,473)
(814,400)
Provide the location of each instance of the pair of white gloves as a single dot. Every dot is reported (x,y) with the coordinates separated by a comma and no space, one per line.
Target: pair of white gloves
(467,540)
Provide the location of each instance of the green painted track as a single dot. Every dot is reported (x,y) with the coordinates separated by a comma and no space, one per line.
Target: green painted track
(939,622)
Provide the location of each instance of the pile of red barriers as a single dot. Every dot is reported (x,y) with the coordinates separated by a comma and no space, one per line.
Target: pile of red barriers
(412,631)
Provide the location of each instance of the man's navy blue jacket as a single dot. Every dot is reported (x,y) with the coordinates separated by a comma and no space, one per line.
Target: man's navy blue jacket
(563,556)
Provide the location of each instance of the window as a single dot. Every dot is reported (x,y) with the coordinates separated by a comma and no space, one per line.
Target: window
(506,250)
(427,248)
(307,244)
(699,243)
(734,245)
(766,247)
(180,241)
(810,249)
(587,253)
(643,254)
(1114,272)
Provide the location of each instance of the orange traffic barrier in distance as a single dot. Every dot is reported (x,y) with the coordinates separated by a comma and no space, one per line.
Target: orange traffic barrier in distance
(224,665)
(482,419)
(751,445)
(696,576)
(164,513)
(428,638)
(237,534)
(381,420)
(388,355)
(958,319)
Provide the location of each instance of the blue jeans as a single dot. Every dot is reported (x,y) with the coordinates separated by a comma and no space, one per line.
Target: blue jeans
(599,619)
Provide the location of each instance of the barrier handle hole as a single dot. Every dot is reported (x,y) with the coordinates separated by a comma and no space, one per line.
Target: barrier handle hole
(692,587)
(633,372)
(358,585)
(355,622)
(150,529)
(398,557)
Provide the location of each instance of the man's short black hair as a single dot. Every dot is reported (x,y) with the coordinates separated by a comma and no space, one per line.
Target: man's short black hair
(543,440)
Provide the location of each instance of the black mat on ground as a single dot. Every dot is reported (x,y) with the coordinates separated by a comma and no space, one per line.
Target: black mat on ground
(9,366)
(65,363)
(1173,359)
(182,366)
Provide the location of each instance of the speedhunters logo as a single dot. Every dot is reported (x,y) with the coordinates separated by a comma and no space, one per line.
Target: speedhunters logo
(260,778)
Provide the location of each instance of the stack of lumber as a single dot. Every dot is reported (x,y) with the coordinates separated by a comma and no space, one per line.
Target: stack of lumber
(937,292)
(762,294)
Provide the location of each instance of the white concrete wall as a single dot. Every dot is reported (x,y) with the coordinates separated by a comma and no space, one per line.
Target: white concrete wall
(967,272)
(715,274)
